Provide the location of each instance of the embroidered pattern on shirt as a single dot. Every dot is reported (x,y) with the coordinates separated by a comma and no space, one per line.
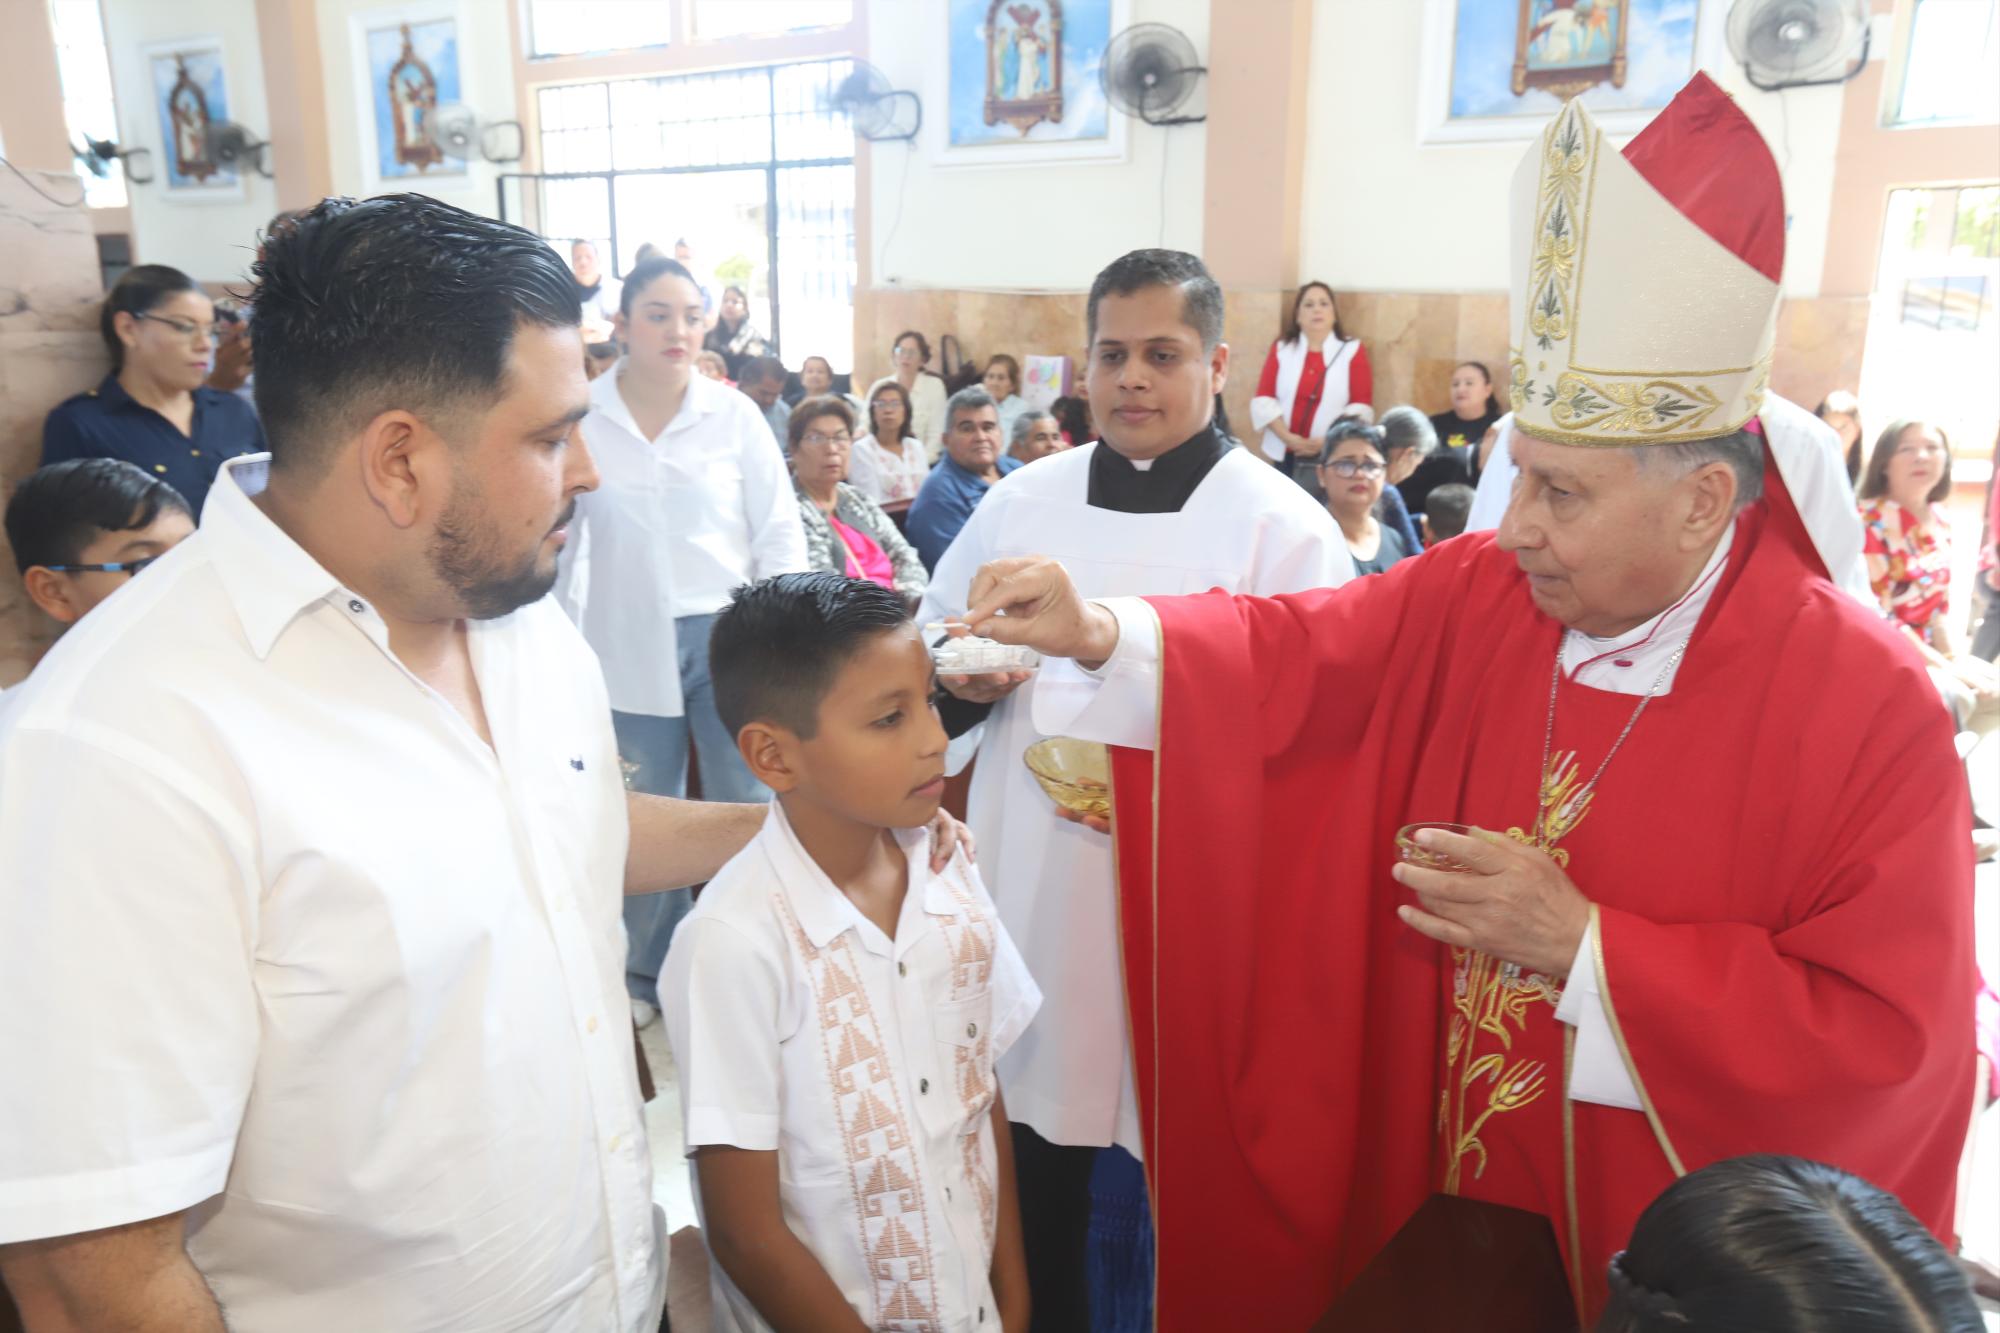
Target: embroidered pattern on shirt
(970,937)
(882,1159)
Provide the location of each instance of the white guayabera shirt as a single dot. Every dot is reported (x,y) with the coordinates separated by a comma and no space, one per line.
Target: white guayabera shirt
(284,942)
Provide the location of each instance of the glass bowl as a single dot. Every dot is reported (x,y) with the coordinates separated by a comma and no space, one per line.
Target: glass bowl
(1408,850)
(1076,774)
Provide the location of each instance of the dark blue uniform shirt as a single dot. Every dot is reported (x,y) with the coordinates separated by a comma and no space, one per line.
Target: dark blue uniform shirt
(107,423)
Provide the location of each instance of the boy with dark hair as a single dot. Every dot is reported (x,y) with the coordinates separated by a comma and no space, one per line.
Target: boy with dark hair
(83,529)
(835,1007)
(1445,510)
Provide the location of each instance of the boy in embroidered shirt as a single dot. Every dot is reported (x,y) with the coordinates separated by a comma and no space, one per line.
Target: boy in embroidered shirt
(835,1008)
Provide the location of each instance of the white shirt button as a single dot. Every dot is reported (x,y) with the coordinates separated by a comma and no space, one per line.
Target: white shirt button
(356,605)
(591,1026)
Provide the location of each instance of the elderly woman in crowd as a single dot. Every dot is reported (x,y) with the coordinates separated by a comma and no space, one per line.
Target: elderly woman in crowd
(889,461)
(1002,378)
(1907,544)
(846,532)
(1035,435)
(1407,440)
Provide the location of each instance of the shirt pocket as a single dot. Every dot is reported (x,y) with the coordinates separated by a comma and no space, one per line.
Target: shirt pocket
(963,1046)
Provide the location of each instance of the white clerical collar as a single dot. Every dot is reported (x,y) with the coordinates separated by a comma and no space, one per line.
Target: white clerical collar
(1632,662)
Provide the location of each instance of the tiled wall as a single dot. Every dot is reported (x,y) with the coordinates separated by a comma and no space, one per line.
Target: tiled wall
(1413,339)
(49,349)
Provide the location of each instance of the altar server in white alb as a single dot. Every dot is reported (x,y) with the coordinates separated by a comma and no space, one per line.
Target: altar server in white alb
(1162,503)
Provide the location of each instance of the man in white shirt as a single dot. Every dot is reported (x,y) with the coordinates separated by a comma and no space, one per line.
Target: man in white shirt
(1163,504)
(331,802)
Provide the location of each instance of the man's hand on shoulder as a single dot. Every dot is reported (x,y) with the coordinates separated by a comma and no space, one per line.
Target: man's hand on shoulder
(1030,601)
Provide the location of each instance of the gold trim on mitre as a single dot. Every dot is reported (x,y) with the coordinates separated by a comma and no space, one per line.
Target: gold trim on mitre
(1615,293)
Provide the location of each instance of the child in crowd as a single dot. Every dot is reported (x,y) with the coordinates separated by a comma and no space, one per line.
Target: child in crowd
(82,529)
(1445,511)
(835,1008)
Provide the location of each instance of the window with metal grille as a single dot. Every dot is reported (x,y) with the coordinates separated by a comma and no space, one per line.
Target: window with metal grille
(748,166)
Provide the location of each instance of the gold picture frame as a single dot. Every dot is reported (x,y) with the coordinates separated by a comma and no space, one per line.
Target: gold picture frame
(1594,33)
(1024,85)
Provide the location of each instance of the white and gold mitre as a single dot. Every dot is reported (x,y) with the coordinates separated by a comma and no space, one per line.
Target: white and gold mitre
(1645,283)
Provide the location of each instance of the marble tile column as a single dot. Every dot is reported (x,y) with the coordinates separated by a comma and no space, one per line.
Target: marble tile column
(49,349)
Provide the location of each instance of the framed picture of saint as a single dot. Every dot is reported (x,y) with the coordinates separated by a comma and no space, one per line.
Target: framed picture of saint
(1499,69)
(1021,81)
(1570,46)
(190,95)
(413,69)
(409,63)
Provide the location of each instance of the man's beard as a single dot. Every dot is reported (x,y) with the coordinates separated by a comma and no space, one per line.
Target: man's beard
(488,581)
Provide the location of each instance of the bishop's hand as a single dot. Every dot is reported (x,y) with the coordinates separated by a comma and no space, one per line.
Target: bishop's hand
(1511,901)
(1030,601)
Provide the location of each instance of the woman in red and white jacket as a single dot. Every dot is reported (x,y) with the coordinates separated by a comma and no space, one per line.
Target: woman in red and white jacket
(1314,375)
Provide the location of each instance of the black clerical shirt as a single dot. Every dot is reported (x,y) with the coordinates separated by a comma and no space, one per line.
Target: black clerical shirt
(1115,484)
(1163,488)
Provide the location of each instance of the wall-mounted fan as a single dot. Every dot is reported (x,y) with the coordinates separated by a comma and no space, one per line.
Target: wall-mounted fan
(881,112)
(457,130)
(1150,70)
(229,145)
(1799,43)
(97,155)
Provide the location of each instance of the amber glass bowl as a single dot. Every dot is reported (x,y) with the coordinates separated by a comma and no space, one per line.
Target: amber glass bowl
(1408,850)
(1076,774)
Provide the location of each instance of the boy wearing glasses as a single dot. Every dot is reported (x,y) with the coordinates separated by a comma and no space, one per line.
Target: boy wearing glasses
(80,530)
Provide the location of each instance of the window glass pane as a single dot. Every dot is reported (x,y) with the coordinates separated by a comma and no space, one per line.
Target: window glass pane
(1951,71)
(805,129)
(577,210)
(759,18)
(583,27)
(816,264)
(88,109)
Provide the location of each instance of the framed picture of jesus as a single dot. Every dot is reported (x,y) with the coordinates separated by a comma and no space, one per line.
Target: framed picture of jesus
(1021,82)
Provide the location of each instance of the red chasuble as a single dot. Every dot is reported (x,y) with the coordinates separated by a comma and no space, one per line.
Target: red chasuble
(1778,858)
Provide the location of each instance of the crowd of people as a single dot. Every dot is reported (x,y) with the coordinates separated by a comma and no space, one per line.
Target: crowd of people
(606,550)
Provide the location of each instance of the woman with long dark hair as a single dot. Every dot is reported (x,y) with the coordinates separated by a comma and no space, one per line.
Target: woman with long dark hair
(1474,408)
(734,337)
(153,409)
(1768,1244)
(1313,375)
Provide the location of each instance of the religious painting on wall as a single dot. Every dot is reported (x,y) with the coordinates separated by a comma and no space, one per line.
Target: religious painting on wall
(412,71)
(1022,80)
(1496,70)
(191,94)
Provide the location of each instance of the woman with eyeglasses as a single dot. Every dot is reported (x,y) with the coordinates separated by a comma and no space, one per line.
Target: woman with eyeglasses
(846,532)
(153,409)
(908,354)
(1353,468)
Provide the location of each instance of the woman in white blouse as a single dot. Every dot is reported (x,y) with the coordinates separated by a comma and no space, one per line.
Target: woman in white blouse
(910,352)
(694,500)
(889,464)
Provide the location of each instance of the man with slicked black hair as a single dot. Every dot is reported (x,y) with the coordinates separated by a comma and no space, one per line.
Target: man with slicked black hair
(332,803)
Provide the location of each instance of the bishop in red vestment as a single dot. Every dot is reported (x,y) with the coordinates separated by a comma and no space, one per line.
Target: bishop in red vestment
(1722,903)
